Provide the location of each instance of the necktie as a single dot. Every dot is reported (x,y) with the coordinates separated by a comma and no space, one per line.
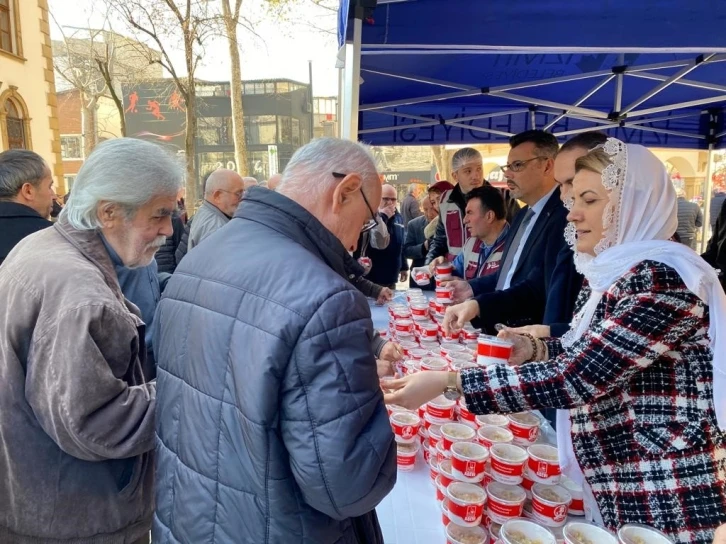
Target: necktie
(513,249)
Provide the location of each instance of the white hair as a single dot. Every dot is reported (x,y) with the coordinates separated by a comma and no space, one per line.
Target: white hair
(310,170)
(462,156)
(412,188)
(218,180)
(127,172)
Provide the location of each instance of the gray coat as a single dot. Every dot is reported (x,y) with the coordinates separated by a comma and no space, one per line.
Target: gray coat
(76,413)
(207,220)
(271,425)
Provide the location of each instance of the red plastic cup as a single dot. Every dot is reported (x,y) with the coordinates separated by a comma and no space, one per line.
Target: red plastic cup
(441,454)
(523,530)
(488,435)
(469,333)
(444,295)
(508,463)
(468,461)
(452,336)
(426,453)
(434,431)
(422,277)
(525,428)
(420,309)
(505,502)
(577,531)
(492,350)
(433,468)
(400,311)
(406,456)
(446,472)
(407,346)
(445,512)
(417,354)
(632,533)
(527,483)
(434,363)
(405,426)
(383,333)
(465,535)
(493,419)
(404,327)
(456,432)
(465,415)
(449,350)
(544,464)
(440,491)
(441,408)
(466,503)
(577,506)
(444,271)
(549,504)
(429,331)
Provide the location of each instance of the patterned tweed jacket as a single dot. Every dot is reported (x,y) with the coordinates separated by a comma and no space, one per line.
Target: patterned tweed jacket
(638,386)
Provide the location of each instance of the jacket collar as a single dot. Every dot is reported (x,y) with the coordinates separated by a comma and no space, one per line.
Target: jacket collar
(15,209)
(287,217)
(91,246)
(213,209)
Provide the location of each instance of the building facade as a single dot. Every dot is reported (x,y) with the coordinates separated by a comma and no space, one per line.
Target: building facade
(277,115)
(28,101)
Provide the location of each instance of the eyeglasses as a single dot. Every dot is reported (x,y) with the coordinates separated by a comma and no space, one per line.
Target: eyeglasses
(373,221)
(238,194)
(518,166)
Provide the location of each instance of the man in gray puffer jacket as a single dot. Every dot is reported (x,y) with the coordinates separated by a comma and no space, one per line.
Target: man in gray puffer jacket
(271,426)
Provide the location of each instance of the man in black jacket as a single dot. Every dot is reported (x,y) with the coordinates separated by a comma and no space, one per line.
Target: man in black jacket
(716,251)
(26,197)
(416,246)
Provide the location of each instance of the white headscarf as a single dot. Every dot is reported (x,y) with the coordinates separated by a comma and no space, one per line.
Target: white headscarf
(639,220)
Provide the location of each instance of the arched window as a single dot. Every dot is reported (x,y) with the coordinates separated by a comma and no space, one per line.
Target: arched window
(15,126)
(14,121)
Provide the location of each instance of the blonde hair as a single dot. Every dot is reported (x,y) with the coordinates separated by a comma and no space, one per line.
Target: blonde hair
(595,161)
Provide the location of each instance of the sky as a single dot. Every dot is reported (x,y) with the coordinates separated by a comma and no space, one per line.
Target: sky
(283,48)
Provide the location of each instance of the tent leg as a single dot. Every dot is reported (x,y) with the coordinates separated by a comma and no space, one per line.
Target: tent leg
(708,189)
(339,104)
(351,90)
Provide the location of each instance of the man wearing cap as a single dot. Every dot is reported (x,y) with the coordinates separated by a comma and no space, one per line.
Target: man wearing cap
(451,233)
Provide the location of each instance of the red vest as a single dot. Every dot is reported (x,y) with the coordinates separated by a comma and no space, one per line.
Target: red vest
(471,259)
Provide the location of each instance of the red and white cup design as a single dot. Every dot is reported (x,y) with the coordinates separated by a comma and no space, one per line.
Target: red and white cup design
(407,346)
(429,331)
(444,295)
(505,502)
(489,435)
(468,461)
(549,504)
(458,365)
(450,349)
(434,431)
(508,463)
(451,335)
(426,452)
(439,307)
(445,512)
(434,470)
(406,456)
(441,408)
(493,419)
(444,271)
(465,535)
(577,506)
(446,472)
(492,350)
(466,503)
(422,277)
(527,482)
(404,327)
(470,333)
(440,492)
(420,309)
(525,428)
(400,311)
(456,432)
(544,464)
(434,363)
(405,426)
(365,262)
(417,354)
(383,333)
(466,415)
(441,454)
(413,293)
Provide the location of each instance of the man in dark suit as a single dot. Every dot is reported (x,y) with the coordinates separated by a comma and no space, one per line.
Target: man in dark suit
(517,294)
(26,197)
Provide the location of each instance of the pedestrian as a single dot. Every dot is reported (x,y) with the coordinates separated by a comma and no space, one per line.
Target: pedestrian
(410,207)
(690,219)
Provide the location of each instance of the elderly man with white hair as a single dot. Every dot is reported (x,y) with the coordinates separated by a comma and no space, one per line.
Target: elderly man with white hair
(76,411)
(271,424)
(223,191)
(410,207)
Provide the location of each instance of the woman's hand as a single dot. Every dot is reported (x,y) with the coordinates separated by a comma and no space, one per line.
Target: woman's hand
(522,351)
(416,389)
(720,536)
(538,331)
(459,315)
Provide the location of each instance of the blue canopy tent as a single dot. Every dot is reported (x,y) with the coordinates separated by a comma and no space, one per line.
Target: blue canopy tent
(423,72)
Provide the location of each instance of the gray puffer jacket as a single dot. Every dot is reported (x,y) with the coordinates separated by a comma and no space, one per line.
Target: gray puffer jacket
(271,426)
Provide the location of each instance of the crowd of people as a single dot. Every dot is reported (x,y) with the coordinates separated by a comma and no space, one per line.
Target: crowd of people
(216,379)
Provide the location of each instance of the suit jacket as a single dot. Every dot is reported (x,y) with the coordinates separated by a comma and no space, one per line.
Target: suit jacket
(524,302)
(562,293)
(16,222)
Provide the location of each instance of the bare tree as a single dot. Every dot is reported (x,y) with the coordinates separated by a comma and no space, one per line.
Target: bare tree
(169,24)
(442,161)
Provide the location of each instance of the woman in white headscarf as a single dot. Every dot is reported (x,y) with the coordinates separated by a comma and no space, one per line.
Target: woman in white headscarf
(638,370)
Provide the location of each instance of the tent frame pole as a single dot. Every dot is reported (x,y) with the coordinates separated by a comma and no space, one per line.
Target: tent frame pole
(351,91)
(581,100)
(708,189)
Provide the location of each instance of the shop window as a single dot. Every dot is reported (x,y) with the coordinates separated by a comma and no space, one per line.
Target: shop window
(15,126)
(261,129)
(71,147)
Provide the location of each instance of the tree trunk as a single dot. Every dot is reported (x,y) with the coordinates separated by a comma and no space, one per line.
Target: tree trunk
(190,147)
(89,124)
(238,123)
(442,161)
